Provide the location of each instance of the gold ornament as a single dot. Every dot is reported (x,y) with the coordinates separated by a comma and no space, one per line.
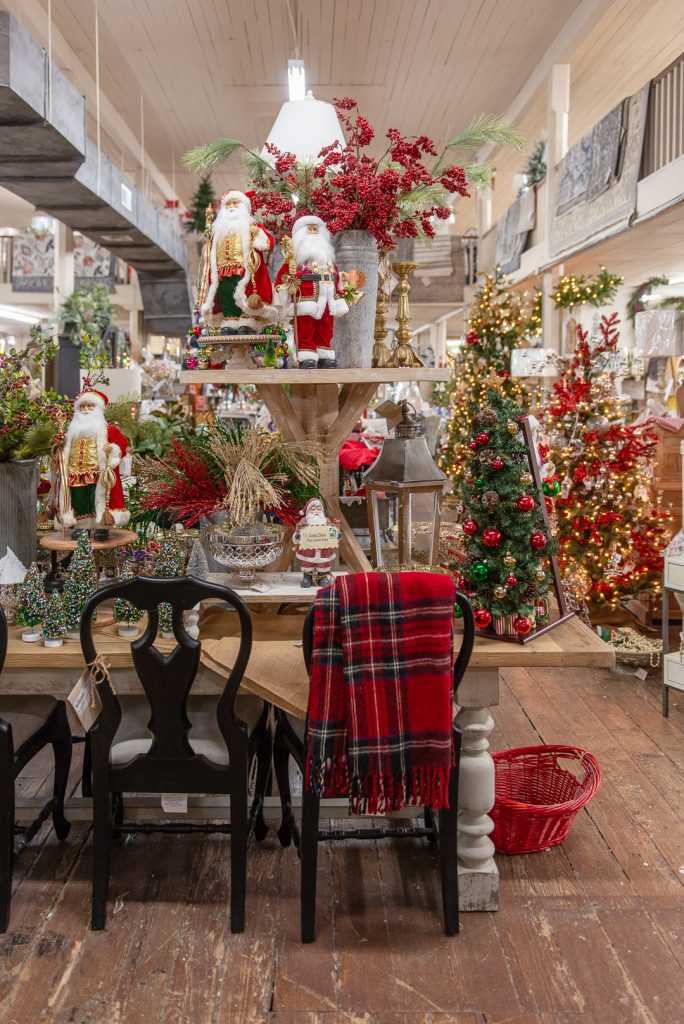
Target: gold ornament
(508,560)
(526,479)
(512,428)
(540,575)
(499,592)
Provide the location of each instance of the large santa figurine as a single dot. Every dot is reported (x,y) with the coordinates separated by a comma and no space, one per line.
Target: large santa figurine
(92,452)
(309,287)
(316,559)
(240,289)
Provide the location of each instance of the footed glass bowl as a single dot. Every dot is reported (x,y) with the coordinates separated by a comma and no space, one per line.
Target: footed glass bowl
(246,548)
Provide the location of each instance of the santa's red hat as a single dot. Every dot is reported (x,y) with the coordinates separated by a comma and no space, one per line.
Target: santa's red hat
(90,395)
(310,502)
(242,197)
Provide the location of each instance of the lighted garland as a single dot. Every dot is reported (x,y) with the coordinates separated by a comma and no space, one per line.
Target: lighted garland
(573,290)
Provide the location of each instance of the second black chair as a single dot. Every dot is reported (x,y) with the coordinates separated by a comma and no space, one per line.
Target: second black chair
(180,745)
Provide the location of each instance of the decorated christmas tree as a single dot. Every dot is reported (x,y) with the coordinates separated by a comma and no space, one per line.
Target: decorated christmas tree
(506,570)
(198,566)
(80,582)
(204,195)
(170,563)
(611,528)
(54,627)
(125,613)
(32,603)
(497,323)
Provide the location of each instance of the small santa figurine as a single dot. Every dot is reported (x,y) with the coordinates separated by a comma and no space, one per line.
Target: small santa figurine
(309,287)
(239,288)
(92,452)
(316,560)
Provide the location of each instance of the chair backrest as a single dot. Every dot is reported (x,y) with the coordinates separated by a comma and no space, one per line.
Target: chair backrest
(461,662)
(166,678)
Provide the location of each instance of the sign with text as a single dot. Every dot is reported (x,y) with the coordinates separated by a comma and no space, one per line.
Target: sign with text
(319,537)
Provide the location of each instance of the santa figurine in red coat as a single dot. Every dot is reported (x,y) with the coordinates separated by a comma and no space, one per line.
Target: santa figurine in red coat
(309,287)
(93,449)
(316,539)
(239,290)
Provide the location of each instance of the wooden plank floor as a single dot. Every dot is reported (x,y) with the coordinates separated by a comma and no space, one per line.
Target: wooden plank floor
(592,931)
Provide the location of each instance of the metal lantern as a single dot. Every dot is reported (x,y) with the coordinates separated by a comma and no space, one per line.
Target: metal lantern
(404,467)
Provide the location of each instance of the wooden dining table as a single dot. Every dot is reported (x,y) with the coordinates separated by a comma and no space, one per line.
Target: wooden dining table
(277,673)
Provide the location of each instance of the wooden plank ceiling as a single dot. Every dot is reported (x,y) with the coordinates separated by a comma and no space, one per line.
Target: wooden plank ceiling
(212,68)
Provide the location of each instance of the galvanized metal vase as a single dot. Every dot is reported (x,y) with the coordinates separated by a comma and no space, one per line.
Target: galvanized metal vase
(353,337)
(18,518)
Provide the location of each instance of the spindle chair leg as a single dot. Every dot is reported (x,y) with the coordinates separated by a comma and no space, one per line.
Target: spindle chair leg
(281,764)
(309,854)
(448,848)
(102,842)
(238,843)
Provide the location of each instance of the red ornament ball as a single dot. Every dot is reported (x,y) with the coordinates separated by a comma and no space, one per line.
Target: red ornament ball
(469,527)
(511,580)
(492,538)
(473,445)
(549,505)
(482,439)
(472,338)
(538,540)
(525,503)
(482,618)
(497,463)
(522,625)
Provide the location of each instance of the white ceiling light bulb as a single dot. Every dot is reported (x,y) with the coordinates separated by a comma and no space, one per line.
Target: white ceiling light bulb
(296,80)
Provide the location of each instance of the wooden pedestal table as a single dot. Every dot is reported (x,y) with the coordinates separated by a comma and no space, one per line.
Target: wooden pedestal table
(325,405)
(60,542)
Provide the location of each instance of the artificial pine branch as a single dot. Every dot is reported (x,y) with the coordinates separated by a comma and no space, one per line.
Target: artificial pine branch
(203,159)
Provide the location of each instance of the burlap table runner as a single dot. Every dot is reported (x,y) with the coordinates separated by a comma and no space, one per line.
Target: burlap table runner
(276,670)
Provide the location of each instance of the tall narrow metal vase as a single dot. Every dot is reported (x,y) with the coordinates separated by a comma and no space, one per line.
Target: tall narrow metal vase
(353,337)
(18,498)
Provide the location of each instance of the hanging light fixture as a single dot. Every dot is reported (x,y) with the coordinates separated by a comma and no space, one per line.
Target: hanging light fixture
(296,80)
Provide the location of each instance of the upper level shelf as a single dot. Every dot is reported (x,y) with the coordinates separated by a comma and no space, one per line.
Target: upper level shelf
(351,375)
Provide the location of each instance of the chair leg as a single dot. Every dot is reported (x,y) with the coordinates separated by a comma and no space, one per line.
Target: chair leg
(448,848)
(6,822)
(60,738)
(309,851)
(238,844)
(281,763)
(87,771)
(262,784)
(102,844)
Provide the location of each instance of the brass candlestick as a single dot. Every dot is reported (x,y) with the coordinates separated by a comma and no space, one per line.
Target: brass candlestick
(381,353)
(403,353)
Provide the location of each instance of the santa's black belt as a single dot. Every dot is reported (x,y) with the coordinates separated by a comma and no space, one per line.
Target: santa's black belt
(316,277)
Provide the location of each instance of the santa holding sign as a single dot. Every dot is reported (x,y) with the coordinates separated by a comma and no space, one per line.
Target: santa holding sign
(310,288)
(316,538)
(92,493)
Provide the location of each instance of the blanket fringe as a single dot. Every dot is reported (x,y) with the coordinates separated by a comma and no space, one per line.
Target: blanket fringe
(378,793)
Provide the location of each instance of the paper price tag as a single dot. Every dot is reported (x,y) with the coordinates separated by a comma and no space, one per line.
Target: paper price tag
(318,537)
(174,803)
(641,673)
(85,700)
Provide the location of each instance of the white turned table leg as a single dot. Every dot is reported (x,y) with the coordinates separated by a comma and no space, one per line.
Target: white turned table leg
(478,875)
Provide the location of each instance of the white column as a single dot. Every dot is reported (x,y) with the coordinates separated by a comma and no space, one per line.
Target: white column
(558,120)
(484,210)
(440,343)
(478,875)
(63,283)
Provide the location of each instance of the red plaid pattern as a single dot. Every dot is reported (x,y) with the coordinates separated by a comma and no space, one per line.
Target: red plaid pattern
(380,705)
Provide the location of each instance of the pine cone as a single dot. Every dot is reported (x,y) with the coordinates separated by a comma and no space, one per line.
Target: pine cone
(490,499)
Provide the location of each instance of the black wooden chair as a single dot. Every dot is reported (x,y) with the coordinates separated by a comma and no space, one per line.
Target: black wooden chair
(27,724)
(170,741)
(290,741)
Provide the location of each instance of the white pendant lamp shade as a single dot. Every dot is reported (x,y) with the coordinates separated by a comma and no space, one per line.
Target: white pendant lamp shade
(303,127)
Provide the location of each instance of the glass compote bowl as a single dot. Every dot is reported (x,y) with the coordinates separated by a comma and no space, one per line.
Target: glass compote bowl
(246,548)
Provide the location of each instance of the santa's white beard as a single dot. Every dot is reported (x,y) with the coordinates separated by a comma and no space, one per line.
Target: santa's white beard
(87,424)
(232,221)
(313,248)
(314,519)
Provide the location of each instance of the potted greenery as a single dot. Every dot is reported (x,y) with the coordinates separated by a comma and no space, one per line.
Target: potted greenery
(29,419)
(86,314)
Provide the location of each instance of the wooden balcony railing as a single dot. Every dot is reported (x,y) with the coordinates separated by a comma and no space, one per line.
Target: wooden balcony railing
(664,135)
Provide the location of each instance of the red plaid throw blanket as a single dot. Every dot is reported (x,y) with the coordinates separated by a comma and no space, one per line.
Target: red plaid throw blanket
(380,709)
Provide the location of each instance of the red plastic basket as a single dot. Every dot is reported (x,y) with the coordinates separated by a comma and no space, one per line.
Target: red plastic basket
(537,798)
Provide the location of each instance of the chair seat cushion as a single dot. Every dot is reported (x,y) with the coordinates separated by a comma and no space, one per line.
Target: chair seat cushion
(26,715)
(133,737)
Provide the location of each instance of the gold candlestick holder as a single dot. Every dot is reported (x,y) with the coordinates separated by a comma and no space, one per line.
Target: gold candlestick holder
(403,353)
(381,353)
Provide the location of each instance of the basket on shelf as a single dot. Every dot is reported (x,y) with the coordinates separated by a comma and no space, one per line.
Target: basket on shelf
(537,798)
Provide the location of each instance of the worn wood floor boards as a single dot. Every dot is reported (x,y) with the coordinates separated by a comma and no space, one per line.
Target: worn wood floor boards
(590,932)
